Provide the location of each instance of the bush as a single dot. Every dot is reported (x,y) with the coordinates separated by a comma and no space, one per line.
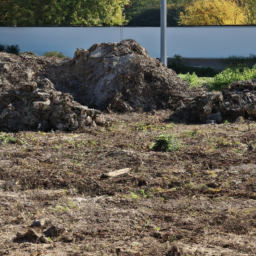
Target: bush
(2,48)
(230,75)
(14,49)
(55,54)
(191,79)
(236,61)
(201,72)
(165,143)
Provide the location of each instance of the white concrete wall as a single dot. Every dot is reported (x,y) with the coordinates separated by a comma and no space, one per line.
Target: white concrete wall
(200,42)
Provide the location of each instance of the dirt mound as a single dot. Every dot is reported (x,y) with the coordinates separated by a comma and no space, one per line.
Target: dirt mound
(38,92)
(28,102)
(235,103)
(119,76)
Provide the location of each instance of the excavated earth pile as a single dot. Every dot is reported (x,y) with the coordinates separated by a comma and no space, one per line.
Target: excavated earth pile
(38,92)
(118,76)
(50,93)
(30,102)
(235,103)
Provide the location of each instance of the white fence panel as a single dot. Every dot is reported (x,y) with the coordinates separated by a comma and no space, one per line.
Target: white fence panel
(190,42)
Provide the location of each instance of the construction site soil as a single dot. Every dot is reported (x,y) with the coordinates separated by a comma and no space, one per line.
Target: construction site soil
(81,181)
(198,198)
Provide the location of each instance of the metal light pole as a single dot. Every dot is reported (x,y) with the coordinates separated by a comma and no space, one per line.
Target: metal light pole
(163,31)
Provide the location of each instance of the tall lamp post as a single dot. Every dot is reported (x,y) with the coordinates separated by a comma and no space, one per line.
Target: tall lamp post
(163,31)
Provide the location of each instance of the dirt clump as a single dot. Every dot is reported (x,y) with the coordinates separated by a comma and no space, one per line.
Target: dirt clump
(118,76)
(235,103)
(28,102)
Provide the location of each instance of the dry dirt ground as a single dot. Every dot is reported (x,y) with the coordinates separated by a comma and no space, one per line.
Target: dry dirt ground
(199,197)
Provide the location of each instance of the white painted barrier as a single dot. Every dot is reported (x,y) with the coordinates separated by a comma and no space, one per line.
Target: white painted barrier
(190,42)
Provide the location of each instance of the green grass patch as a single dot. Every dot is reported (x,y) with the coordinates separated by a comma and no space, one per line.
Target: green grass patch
(55,54)
(165,143)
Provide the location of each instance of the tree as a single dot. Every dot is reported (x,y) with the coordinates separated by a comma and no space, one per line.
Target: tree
(213,12)
(63,12)
(250,8)
(147,12)
(4,10)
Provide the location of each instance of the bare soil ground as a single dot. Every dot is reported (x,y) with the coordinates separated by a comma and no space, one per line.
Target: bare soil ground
(199,197)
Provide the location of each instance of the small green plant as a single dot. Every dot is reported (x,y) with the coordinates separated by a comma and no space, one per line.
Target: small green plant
(142,192)
(134,196)
(5,138)
(165,143)
(191,79)
(54,54)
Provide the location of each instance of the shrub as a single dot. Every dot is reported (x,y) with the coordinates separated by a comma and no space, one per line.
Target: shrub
(165,143)
(235,61)
(191,79)
(2,48)
(201,72)
(14,49)
(230,75)
(54,54)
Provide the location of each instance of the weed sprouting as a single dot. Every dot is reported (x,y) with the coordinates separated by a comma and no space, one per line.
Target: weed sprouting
(5,138)
(165,143)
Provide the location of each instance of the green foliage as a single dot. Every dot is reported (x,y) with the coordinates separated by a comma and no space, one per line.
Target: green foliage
(14,49)
(184,69)
(54,54)
(62,12)
(151,18)
(230,75)
(191,79)
(5,139)
(147,13)
(2,48)
(234,61)
(165,143)
(200,72)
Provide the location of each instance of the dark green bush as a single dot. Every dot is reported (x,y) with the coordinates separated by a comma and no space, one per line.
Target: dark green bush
(165,143)
(200,72)
(14,49)
(54,54)
(236,61)
(2,48)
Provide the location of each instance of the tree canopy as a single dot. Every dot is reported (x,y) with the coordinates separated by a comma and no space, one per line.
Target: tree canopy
(122,12)
(214,12)
(62,12)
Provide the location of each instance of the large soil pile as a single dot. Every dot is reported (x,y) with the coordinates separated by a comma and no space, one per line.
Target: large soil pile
(29,102)
(38,92)
(50,93)
(119,76)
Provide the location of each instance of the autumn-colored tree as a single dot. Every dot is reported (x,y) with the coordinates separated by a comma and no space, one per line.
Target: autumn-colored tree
(250,8)
(213,12)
